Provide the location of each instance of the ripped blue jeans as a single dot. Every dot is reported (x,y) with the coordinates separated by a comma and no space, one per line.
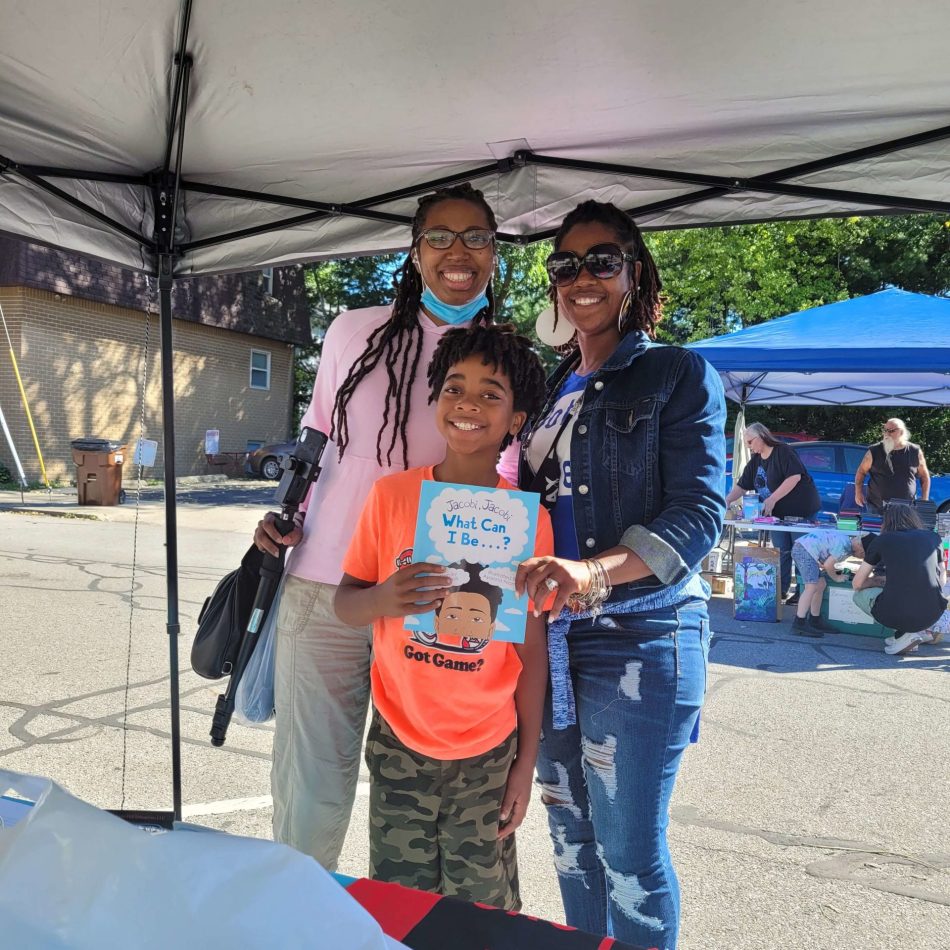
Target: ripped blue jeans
(639,682)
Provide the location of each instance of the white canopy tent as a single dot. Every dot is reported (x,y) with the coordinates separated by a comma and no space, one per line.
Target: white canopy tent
(185,138)
(309,128)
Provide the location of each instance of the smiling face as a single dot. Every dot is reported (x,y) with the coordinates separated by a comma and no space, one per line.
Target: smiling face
(457,274)
(475,409)
(591,304)
(465,615)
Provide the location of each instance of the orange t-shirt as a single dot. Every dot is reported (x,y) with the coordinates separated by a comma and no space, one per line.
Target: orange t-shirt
(443,702)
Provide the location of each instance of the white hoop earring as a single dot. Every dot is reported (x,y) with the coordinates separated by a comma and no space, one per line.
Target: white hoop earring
(550,333)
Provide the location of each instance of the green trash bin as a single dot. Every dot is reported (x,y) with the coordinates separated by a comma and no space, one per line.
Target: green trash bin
(98,471)
(839,610)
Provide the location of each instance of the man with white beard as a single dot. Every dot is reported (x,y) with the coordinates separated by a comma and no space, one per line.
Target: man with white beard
(895,464)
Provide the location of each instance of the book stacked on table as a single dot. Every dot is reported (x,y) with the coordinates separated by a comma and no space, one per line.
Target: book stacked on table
(871,522)
(860,516)
(927,511)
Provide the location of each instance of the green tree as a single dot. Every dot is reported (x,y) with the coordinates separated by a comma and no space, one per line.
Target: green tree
(521,284)
(717,280)
(332,287)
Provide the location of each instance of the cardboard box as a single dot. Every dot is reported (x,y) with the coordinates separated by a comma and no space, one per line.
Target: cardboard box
(757,583)
(721,585)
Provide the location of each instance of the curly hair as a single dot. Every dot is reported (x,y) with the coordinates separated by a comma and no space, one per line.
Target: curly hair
(646,307)
(475,585)
(397,343)
(500,347)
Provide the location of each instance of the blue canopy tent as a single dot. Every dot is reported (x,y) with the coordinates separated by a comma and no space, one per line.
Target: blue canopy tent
(891,348)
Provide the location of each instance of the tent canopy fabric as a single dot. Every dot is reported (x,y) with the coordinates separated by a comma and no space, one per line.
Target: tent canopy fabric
(310,129)
(891,348)
(186,137)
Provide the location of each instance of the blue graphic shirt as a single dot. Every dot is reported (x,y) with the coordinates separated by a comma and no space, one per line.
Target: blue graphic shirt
(553,426)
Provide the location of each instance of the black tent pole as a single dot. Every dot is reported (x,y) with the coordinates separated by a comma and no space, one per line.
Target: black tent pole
(165,193)
(173,627)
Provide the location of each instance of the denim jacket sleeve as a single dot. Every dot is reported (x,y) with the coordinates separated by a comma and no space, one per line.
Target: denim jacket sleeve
(692,453)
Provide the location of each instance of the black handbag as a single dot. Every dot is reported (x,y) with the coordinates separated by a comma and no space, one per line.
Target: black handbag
(224,618)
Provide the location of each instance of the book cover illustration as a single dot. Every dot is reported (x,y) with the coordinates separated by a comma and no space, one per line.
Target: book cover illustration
(757,588)
(481,535)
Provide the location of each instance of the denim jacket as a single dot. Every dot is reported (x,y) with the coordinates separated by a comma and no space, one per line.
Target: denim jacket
(648,459)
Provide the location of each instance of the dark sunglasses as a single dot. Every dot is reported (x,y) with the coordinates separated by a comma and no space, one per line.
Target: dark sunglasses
(441,239)
(892,429)
(602,261)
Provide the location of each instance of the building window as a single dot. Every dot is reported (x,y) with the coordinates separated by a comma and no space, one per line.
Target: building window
(268,274)
(260,369)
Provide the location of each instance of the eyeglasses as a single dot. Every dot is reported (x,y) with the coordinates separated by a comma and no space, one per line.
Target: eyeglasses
(602,261)
(890,431)
(441,239)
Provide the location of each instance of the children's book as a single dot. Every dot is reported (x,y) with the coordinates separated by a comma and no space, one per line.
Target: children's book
(481,535)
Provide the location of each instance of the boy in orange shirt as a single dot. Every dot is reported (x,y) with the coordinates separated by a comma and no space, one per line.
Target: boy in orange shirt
(457,714)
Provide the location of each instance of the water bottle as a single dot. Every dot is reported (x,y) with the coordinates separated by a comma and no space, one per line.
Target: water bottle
(750,506)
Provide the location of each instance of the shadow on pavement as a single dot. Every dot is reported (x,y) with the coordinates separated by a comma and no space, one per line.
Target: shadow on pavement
(774,648)
(214,494)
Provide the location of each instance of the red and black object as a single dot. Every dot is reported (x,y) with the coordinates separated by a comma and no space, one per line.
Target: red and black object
(424,921)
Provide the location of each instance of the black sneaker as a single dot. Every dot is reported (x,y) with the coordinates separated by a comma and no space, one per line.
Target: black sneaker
(818,624)
(802,627)
(792,599)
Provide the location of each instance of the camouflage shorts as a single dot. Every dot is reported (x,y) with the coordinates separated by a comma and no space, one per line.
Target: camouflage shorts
(433,825)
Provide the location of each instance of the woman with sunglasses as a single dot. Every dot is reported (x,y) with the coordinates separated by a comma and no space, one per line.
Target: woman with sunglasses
(372,398)
(632,442)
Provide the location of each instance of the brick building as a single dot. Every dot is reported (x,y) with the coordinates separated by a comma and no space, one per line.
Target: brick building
(80,330)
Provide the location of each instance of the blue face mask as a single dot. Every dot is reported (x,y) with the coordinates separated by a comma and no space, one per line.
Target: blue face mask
(452,313)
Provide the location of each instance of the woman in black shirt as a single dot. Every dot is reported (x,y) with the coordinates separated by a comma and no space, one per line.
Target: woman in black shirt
(777,475)
(911,599)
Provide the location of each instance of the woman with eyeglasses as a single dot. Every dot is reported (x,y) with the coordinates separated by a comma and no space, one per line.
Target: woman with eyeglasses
(629,454)
(785,488)
(371,396)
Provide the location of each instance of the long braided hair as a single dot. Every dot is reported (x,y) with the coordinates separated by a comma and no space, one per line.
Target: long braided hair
(645,308)
(398,342)
(500,347)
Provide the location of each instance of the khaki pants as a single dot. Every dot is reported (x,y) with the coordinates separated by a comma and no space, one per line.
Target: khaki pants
(321,683)
(864,599)
(433,824)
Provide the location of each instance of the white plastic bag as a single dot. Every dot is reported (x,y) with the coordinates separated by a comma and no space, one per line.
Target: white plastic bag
(254,699)
(72,876)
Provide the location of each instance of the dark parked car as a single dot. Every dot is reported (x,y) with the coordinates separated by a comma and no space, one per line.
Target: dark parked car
(832,466)
(265,461)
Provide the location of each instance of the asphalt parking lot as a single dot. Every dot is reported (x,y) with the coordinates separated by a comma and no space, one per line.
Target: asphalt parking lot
(812,813)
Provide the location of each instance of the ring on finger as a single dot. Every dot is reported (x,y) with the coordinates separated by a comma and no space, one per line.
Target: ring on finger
(551,584)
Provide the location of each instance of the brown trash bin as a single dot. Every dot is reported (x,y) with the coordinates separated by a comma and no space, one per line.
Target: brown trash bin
(98,471)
